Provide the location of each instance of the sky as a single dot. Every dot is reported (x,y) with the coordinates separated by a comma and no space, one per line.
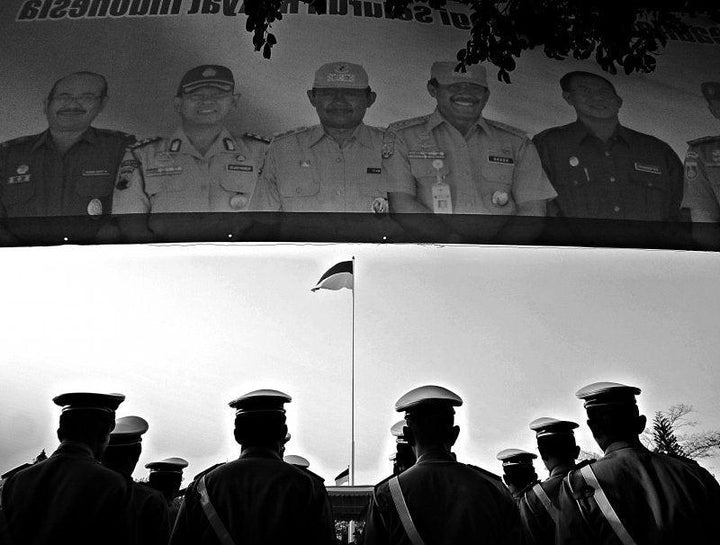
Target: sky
(182,330)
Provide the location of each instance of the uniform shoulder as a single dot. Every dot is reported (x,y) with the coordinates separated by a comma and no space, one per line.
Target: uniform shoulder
(554,132)
(507,128)
(407,123)
(291,132)
(115,134)
(20,140)
(704,140)
(485,473)
(256,137)
(144,142)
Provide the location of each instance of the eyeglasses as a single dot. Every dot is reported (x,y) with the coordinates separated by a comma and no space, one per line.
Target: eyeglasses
(86,99)
(210,97)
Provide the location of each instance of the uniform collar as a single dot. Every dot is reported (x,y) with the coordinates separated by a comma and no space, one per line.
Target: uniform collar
(76,448)
(581,132)
(260,452)
(436,119)
(45,138)
(218,146)
(619,445)
(361,134)
(436,455)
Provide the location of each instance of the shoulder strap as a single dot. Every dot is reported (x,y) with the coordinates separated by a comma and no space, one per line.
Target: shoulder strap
(402,509)
(606,507)
(545,500)
(217,525)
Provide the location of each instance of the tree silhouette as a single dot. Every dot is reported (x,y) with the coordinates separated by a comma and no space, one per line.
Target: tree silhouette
(664,437)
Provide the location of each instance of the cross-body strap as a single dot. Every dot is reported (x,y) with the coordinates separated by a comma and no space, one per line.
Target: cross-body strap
(403,512)
(545,500)
(217,525)
(606,507)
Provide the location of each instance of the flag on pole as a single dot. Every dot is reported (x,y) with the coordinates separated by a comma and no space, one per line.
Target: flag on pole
(337,277)
(343,477)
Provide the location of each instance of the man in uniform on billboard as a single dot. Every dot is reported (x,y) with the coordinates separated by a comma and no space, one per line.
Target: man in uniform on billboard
(333,166)
(702,167)
(202,167)
(70,168)
(454,161)
(602,169)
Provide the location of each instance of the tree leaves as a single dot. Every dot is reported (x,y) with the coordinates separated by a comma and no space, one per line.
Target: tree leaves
(623,34)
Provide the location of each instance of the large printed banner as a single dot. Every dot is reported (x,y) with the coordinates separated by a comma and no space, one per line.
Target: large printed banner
(144,47)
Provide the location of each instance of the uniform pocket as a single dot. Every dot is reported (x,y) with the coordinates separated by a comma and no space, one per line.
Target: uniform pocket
(239,178)
(301,183)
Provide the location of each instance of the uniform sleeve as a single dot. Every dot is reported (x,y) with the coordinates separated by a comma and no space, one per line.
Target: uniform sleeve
(155,522)
(182,531)
(376,530)
(129,195)
(266,197)
(530,181)
(698,195)
(323,531)
(397,177)
(571,528)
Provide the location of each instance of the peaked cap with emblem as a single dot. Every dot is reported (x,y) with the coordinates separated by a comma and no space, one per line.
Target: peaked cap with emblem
(260,401)
(549,427)
(167,465)
(607,394)
(512,457)
(89,401)
(298,461)
(445,74)
(710,90)
(346,75)
(428,397)
(128,431)
(207,75)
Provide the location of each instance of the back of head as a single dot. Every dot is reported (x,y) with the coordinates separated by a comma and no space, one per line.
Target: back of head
(85,426)
(429,413)
(260,418)
(612,411)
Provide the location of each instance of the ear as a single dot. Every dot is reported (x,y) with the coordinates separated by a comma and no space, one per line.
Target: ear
(577,453)
(177,104)
(566,98)
(432,90)
(641,423)
(103,102)
(454,432)
(408,435)
(311,97)
(371,96)
(235,102)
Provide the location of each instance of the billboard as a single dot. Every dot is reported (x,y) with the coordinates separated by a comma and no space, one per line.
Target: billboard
(144,47)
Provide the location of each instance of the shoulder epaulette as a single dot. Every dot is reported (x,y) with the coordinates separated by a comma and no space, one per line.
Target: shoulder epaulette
(258,137)
(144,142)
(112,132)
(704,140)
(296,130)
(413,121)
(507,128)
(486,472)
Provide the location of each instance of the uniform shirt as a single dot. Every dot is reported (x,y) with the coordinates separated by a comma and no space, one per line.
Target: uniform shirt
(659,499)
(632,176)
(538,523)
(68,498)
(154,522)
(307,171)
(37,180)
(449,503)
(261,500)
(490,172)
(170,175)
(702,177)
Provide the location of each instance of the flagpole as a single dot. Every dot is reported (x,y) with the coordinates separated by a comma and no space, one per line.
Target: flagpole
(352,384)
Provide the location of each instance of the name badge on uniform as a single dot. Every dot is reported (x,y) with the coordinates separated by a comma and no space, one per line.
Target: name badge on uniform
(101,172)
(426,155)
(441,196)
(163,171)
(242,168)
(500,160)
(372,170)
(651,169)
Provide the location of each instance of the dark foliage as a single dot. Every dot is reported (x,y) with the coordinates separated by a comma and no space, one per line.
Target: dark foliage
(618,34)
